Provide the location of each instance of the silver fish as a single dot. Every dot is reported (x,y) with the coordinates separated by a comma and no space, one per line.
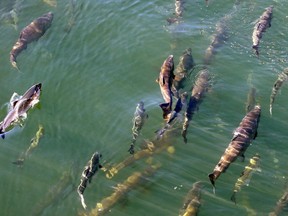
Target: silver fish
(30,33)
(20,107)
(242,137)
(138,121)
(179,8)
(283,77)
(262,24)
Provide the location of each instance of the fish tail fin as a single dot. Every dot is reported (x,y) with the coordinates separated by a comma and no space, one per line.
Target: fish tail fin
(82,201)
(255,47)
(2,133)
(184,132)
(233,197)
(270,109)
(212,180)
(166,108)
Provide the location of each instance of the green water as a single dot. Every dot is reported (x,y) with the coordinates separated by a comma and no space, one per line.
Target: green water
(94,73)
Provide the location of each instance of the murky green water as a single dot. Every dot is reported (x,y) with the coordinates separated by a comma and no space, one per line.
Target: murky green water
(96,62)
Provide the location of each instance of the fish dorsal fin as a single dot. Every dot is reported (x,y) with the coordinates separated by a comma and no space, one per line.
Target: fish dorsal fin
(13,101)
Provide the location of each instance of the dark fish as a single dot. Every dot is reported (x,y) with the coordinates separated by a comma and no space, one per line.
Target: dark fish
(246,175)
(201,86)
(179,8)
(20,107)
(192,201)
(219,37)
(138,121)
(283,77)
(262,24)
(251,99)
(122,189)
(89,170)
(186,64)
(281,204)
(242,137)
(30,33)
(165,81)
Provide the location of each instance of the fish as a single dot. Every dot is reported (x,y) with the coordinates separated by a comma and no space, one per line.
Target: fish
(89,171)
(200,87)
(192,201)
(281,204)
(122,189)
(242,137)
(282,77)
(19,107)
(246,175)
(165,81)
(30,33)
(261,25)
(218,39)
(33,144)
(251,99)
(179,8)
(138,121)
(182,71)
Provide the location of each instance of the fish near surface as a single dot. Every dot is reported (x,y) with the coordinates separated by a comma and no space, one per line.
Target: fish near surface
(19,107)
(89,171)
(30,33)
(283,77)
(179,8)
(165,81)
(282,203)
(262,24)
(242,137)
(192,201)
(246,175)
(138,121)
(201,86)
(186,63)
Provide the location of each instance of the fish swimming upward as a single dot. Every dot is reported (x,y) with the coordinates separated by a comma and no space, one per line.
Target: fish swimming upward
(138,121)
(281,205)
(242,137)
(165,81)
(20,106)
(192,201)
(246,175)
(186,64)
(201,86)
(30,33)
(283,77)
(262,24)
(179,8)
(89,171)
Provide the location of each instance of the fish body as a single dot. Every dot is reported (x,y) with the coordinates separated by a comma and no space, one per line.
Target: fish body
(200,87)
(283,77)
(138,121)
(30,33)
(246,175)
(192,201)
(89,171)
(179,8)
(165,81)
(186,63)
(281,205)
(242,137)
(20,107)
(262,24)
(219,37)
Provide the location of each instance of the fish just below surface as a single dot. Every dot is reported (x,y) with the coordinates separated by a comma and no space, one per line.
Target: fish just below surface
(19,106)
